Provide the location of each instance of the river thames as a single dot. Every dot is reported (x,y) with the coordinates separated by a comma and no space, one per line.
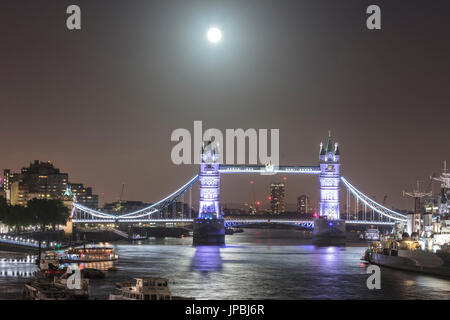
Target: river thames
(256,264)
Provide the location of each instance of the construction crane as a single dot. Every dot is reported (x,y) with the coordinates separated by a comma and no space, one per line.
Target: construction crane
(103,198)
(121,193)
(118,206)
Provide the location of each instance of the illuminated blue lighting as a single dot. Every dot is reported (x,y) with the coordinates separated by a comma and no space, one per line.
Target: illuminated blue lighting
(236,222)
(372,204)
(262,169)
(209,179)
(139,213)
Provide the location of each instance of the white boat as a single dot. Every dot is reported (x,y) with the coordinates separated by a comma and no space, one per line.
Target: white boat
(145,289)
(406,255)
(372,235)
(56,288)
(89,254)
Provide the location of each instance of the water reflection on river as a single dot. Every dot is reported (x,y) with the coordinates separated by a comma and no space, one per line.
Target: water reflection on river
(260,264)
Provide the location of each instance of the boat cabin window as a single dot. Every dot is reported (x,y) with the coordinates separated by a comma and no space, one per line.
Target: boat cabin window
(148,283)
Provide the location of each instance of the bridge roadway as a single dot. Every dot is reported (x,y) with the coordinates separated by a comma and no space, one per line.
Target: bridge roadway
(229,222)
(265,170)
(11,243)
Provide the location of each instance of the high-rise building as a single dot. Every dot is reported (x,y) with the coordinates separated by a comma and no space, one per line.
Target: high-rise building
(83,195)
(303,205)
(6,182)
(19,192)
(277,198)
(43,181)
(39,180)
(178,209)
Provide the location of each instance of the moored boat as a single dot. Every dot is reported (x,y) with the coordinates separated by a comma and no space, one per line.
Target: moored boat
(89,254)
(55,288)
(406,254)
(144,289)
(372,235)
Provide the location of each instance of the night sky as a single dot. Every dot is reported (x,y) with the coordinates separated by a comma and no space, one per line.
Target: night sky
(101,103)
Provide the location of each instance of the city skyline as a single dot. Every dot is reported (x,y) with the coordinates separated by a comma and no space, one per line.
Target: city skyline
(40,170)
(110,90)
(263,197)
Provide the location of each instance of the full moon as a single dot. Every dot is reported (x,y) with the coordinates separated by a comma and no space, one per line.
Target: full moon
(214,35)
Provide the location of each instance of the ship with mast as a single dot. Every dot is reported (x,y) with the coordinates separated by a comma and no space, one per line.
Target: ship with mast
(425,244)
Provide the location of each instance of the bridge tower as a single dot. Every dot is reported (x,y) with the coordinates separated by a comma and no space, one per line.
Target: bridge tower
(328,228)
(209,179)
(209,227)
(329,179)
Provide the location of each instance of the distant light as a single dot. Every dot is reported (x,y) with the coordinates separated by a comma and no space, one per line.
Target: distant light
(214,35)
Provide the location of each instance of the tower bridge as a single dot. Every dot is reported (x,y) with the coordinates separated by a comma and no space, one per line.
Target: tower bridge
(209,225)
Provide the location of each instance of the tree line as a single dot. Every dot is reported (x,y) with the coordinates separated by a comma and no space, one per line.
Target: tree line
(38,212)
